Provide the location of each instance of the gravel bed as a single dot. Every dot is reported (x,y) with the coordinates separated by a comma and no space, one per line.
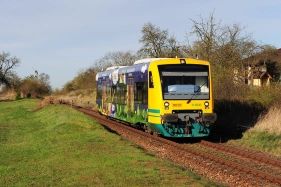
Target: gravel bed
(209,169)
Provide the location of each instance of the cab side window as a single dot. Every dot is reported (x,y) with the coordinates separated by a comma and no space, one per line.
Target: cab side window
(151,84)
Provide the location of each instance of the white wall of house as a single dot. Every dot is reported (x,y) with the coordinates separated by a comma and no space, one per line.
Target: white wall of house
(256,82)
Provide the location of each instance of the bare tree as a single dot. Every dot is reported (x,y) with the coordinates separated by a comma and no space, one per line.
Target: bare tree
(206,32)
(120,58)
(157,43)
(85,79)
(33,86)
(44,81)
(7,63)
(226,47)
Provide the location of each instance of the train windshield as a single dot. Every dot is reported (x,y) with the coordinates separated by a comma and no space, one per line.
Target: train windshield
(184,81)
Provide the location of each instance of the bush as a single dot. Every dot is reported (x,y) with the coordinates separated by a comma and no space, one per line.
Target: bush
(267,95)
(228,88)
(28,95)
(17,96)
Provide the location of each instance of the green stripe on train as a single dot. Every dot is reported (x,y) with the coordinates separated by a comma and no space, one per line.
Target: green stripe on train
(154,111)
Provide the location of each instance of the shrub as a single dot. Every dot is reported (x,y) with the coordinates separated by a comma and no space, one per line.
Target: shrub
(266,95)
(17,96)
(28,95)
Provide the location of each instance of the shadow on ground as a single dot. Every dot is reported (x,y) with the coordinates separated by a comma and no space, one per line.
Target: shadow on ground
(234,118)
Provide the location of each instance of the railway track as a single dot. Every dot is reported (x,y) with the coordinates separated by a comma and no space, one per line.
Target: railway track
(253,156)
(223,164)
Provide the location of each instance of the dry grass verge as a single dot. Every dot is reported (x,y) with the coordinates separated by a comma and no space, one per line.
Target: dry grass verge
(80,100)
(10,95)
(270,122)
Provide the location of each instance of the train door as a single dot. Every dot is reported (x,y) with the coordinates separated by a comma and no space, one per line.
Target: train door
(104,95)
(130,101)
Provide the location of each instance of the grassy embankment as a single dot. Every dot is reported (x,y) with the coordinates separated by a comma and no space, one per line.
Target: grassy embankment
(58,146)
(265,136)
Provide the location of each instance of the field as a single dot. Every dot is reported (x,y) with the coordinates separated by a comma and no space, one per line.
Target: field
(58,146)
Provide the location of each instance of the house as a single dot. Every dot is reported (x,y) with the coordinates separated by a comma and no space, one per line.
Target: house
(262,68)
(258,76)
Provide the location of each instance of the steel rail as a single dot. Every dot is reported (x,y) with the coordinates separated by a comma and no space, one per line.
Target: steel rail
(267,160)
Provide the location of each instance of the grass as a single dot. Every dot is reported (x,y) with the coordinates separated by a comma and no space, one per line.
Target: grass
(270,122)
(265,136)
(58,146)
(260,141)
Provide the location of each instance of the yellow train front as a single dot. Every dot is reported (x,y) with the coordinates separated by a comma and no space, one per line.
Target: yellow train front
(171,97)
(180,99)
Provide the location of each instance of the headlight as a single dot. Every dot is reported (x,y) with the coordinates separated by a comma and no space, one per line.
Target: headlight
(166,104)
(206,104)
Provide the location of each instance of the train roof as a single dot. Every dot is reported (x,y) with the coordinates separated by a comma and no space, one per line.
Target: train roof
(146,60)
(137,66)
(114,67)
(137,70)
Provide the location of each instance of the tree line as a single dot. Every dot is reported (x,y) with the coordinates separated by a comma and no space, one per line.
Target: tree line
(229,48)
(30,86)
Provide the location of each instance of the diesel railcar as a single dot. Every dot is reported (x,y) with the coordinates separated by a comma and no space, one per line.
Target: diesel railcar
(172,97)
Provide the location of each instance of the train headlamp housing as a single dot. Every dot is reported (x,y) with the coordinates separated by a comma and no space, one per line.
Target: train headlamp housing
(206,104)
(182,61)
(166,105)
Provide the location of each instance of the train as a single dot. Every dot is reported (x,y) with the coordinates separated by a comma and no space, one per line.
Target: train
(169,97)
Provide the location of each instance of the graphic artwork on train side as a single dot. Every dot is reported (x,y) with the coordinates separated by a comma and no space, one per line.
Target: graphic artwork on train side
(170,97)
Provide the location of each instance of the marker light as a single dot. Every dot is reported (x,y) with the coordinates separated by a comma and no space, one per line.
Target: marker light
(166,104)
(182,61)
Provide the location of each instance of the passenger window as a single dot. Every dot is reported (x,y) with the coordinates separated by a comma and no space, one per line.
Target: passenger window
(145,94)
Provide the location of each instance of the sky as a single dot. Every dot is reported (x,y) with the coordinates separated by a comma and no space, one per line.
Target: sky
(62,37)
